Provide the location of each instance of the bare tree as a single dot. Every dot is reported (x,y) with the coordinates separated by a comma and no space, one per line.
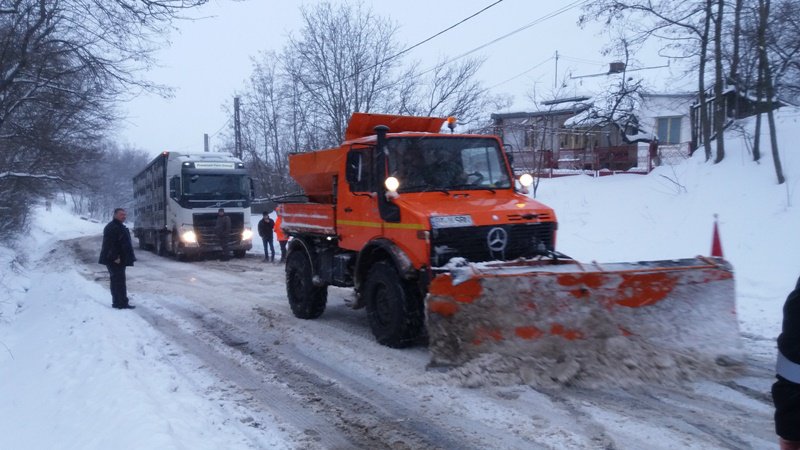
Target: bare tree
(344,59)
(763,8)
(63,64)
(685,26)
(719,103)
(451,90)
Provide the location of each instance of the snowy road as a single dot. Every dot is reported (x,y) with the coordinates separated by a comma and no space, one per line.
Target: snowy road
(327,384)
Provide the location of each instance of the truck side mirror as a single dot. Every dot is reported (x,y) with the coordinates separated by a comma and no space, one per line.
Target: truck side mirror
(252,189)
(174,184)
(508,149)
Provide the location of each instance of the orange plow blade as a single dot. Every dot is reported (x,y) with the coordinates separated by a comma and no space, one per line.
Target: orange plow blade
(510,308)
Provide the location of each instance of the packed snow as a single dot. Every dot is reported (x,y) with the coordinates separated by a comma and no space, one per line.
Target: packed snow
(78,374)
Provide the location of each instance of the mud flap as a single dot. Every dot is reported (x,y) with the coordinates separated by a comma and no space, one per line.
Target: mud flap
(685,306)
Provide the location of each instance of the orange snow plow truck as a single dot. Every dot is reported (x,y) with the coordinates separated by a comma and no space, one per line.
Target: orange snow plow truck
(432,231)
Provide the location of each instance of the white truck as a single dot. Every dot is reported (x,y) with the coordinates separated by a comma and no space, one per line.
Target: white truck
(177,198)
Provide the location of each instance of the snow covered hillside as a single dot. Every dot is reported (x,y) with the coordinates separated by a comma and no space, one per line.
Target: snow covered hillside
(212,357)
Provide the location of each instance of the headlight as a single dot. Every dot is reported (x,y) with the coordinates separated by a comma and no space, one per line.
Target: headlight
(189,237)
(392,184)
(526,180)
(247,234)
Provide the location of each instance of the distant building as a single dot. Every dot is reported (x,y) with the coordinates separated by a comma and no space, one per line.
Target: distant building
(566,135)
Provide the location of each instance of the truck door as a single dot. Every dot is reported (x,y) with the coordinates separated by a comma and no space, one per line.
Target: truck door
(357,217)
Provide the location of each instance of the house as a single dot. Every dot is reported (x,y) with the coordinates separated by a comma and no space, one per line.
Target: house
(667,118)
(737,105)
(574,135)
(534,138)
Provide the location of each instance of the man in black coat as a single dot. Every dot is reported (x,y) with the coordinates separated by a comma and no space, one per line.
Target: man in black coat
(223,231)
(786,391)
(265,227)
(117,254)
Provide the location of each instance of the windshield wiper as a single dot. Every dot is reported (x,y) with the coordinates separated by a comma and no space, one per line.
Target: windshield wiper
(472,187)
(424,188)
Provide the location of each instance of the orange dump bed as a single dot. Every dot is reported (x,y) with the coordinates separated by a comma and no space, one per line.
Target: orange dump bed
(314,172)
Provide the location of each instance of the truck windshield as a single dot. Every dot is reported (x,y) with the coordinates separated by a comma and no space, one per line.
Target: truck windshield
(216,187)
(429,163)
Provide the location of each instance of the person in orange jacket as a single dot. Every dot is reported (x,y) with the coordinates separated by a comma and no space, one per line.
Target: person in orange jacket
(282,238)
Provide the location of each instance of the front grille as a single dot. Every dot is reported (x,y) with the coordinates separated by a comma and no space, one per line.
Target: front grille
(204,225)
(473,243)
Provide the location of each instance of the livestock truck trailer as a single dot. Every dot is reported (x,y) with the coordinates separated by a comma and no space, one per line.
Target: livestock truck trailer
(177,198)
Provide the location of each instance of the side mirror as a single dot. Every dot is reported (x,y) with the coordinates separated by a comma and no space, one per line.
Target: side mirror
(174,185)
(252,189)
(508,149)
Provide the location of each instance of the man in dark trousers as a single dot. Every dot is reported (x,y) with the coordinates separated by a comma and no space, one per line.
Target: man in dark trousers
(223,232)
(786,391)
(117,254)
(265,227)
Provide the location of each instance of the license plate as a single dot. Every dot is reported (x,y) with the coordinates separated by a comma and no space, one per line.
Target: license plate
(451,221)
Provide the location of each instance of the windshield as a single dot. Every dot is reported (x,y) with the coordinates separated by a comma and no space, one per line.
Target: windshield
(216,187)
(430,163)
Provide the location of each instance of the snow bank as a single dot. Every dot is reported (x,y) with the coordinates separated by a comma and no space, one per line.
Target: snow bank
(78,374)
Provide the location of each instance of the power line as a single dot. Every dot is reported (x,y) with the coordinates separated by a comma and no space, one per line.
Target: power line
(521,73)
(520,29)
(469,52)
(581,60)
(406,50)
(438,34)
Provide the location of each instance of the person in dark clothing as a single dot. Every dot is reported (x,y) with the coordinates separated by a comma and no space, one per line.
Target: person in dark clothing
(116,254)
(786,391)
(223,231)
(265,227)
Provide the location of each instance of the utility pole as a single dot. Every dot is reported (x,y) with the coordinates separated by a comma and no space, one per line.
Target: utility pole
(555,77)
(237,128)
(205,142)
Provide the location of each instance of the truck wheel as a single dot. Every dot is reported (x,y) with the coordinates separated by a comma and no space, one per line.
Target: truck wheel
(239,253)
(393,308)
(307,300)
(175,248)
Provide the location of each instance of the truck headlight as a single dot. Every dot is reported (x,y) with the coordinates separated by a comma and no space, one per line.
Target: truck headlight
(392,184)
(526,180)
(247,234)
(189,237)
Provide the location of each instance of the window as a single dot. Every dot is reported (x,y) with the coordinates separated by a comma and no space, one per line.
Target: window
(359,169)
(427,163)
(668,130)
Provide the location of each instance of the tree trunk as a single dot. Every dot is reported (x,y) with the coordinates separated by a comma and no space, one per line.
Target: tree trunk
(719,103)
(770,90)
(735,57)
(701,85)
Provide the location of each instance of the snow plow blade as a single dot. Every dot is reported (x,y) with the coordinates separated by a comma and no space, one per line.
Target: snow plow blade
(686,306)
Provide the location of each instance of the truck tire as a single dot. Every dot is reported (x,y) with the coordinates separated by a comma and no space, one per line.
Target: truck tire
(175,247)
(306,300)
(394,309)
(239,253)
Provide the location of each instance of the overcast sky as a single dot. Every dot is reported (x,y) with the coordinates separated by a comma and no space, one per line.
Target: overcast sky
(208,60)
